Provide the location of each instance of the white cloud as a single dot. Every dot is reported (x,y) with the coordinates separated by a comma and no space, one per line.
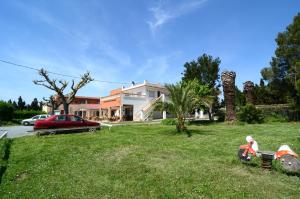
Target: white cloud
(164,12)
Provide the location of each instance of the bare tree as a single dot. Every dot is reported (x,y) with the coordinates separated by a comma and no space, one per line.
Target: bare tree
(228,81)
(53,103)
(59,86)
(249,92)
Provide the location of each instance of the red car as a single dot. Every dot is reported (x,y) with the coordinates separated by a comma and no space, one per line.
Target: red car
(64,121)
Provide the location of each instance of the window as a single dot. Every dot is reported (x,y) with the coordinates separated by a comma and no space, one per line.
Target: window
(75,119)
(61,118)
(151,94)
(36,117)
(139,93)
(43,116)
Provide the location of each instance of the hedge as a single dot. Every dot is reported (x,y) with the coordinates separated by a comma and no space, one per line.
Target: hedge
(282,112)
(24,114)
(6,111)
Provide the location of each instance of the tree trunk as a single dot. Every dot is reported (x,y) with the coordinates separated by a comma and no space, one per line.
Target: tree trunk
(228,81)
(249,92)
(66,107)
(180,126)
(53,107)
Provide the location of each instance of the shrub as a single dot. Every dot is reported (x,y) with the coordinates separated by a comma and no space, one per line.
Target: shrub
(250,114)
(24,114)
(220,114)
(6,111)
(173,121)
(169,121)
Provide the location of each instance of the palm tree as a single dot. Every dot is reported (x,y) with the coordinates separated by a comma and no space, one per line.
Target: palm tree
(228,81)
(249,91)
(180,103)
(203,96)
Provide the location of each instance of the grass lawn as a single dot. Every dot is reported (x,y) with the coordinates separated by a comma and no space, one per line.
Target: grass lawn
(149,161)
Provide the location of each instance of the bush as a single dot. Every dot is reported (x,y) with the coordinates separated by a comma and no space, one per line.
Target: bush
(250,114)
(169,121)
(220,114)
(24,114)
(6,111)
(173,121)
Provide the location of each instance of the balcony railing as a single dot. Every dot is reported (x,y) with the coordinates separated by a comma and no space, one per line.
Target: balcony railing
(134,95)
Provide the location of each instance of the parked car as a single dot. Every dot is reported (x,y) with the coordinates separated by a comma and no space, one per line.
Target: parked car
(64,121)
(32,120)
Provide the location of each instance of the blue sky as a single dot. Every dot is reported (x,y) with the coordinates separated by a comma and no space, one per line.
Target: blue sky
(133,40)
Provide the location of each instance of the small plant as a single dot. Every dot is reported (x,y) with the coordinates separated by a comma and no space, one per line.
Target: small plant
(250,114)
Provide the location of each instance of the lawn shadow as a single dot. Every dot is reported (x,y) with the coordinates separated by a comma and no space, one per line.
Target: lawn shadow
(188,132)
(202,122)
(199,132)
(60,132)
(5,152)
(292,174)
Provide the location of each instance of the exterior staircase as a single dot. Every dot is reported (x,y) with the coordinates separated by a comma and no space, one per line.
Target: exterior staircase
(145,113)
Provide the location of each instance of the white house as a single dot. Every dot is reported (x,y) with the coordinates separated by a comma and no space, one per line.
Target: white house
(133,103)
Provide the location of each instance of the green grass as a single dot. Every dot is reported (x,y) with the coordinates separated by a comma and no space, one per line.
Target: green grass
(149,161)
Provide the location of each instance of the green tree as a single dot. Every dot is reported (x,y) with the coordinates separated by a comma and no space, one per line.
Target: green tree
(21,103)
(283,75)
(181,102)
(206,70)
(35,105)
(202,96)
(15,105)
(239,98)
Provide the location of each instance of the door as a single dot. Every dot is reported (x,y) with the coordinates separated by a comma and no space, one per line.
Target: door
(35,118)
(158,93)
(128,112)
(75,121)
(61,122)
